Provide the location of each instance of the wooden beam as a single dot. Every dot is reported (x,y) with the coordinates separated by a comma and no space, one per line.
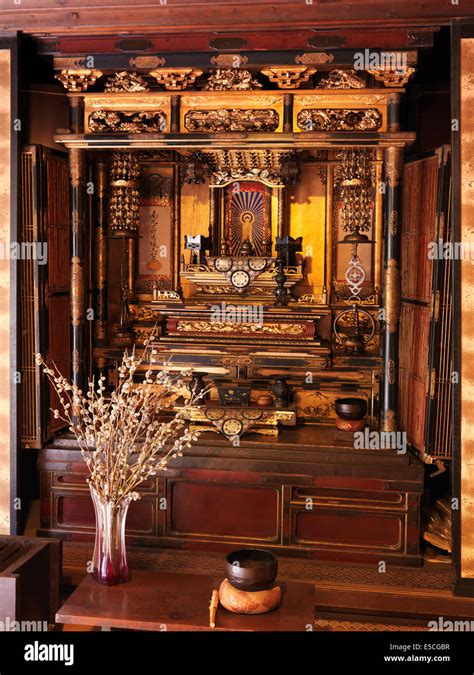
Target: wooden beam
(103,16)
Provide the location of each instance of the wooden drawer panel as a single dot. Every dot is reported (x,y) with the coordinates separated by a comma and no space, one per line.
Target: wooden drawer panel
(350,498)
(80,479)
(78,511)
(223,510)
(333,527)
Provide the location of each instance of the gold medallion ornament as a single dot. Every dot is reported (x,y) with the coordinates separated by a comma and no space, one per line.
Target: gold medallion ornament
(229,60)
(314,58)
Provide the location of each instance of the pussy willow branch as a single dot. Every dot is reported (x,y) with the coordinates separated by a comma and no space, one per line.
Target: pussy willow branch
(122,439)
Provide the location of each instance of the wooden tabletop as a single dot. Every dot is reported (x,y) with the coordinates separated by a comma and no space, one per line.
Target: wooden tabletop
(179,602)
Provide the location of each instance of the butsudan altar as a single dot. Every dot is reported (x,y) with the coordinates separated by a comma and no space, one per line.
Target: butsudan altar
(249,220)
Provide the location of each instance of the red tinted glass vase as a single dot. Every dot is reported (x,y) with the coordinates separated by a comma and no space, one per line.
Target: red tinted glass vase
(110,565)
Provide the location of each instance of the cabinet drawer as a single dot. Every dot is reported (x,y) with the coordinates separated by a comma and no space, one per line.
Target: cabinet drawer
(335,527)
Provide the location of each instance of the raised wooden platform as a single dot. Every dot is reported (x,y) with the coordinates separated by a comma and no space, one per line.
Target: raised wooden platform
(305,494)
(347,597)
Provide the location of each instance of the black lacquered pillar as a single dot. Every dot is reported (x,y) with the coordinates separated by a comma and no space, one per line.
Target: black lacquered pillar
(100,304)
(393,161)
(77,191)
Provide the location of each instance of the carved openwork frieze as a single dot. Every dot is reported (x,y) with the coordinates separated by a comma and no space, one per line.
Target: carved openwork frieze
(231,79)
(339,119)
(78,80)
(132,122)
(176,79)
(272,168)
(126,81)
(289,78)
(341,79)
(231,120)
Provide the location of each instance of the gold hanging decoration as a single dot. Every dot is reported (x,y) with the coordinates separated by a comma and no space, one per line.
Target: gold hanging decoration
(125,199)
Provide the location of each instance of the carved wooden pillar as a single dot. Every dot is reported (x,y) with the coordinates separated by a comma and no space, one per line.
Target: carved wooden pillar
(391,287)
(100,304)
(76,169)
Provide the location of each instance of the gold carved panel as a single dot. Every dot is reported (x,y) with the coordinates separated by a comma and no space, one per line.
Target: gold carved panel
(234,111)
(363,110)
(128,112)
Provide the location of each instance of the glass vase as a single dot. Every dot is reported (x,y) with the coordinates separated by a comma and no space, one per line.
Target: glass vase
(110,555)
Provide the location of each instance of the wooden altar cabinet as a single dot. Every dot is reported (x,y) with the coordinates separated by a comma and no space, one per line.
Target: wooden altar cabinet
(217,192)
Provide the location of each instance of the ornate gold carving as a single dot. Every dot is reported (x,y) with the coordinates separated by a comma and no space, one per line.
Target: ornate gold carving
(176,79)
(354,189)
(391,374)
(341,79)
(76,360)
(260,420)
(231,120)
(328,98)
(289,77)
(143,313)
(393,165)
(147,61)
(132,122)
(126,81)
(77,291)
(314,58)
(391,77)
(221,327)
(392,295)
(125,199)
(76,166)
(389,421)
(338,119)
(270,168)
(229,60)
(393,222)
(78,80)
(75,221)
(231,79)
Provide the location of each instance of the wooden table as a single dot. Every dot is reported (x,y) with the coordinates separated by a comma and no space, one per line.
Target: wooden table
(179,602)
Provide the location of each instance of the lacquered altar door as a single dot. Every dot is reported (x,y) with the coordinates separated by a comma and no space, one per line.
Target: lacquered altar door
(463,372)
(10,129)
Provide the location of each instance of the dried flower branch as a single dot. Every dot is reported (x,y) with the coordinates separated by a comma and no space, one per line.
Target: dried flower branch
(124,439)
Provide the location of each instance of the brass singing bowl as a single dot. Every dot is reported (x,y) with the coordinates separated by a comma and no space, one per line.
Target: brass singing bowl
(251,569)
(351,408)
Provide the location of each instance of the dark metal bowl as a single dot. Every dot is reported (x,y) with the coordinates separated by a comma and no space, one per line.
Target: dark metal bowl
(351,408)
(251,569)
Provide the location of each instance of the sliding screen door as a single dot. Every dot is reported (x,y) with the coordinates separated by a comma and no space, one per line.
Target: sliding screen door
(10,129)
(463,233)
